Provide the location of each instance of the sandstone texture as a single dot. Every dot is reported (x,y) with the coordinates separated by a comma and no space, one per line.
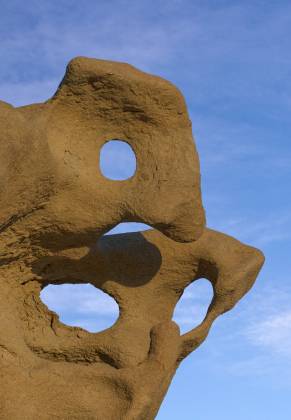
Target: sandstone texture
(55,208)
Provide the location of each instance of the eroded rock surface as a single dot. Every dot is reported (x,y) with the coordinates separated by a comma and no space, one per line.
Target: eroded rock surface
(55,207)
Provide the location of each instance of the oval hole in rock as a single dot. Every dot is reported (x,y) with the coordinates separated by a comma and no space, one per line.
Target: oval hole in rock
(193,305)
(117,160)
(81,305)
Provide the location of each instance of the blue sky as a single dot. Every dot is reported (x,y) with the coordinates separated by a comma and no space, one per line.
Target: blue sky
(232,61)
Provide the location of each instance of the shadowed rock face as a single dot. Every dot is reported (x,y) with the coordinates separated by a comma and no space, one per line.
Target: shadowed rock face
(55,207)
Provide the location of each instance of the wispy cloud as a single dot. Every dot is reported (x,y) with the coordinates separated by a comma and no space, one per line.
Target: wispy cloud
(264,366)
(252,340)
(259,335)
(50,37)
(232,62)
(192,307)
(273,333)
(269,229)
(185,36)
(81,305)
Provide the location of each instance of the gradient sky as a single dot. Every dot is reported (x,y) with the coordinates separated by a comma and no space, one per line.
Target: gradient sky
(232,61)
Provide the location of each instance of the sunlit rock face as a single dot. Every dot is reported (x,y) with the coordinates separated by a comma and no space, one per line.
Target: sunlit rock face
(56,206)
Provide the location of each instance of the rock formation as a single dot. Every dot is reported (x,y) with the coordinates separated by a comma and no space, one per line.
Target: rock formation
(56,207)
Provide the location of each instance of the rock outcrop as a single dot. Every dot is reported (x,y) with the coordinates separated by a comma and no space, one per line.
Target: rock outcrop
(56,207)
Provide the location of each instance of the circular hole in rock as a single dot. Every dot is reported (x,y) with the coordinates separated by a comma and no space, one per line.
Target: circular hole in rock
(81,305)
(193,305)
(117,160)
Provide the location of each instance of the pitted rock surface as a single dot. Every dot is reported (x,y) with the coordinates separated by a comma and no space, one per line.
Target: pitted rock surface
(55,207)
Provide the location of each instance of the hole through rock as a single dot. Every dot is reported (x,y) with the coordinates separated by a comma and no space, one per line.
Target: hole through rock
(117,160)
(81,305)
(193,305)
(127,227)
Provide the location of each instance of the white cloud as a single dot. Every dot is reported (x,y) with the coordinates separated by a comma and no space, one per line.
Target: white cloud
(268,229)
(264,366)
(192,306)
(254,339)
(273,333)
(193,37)
(81,305)
(232,64)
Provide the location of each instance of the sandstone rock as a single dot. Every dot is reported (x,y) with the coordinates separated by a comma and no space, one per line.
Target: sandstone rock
(55,208)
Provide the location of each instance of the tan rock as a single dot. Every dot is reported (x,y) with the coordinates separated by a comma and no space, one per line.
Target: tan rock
(55,207)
